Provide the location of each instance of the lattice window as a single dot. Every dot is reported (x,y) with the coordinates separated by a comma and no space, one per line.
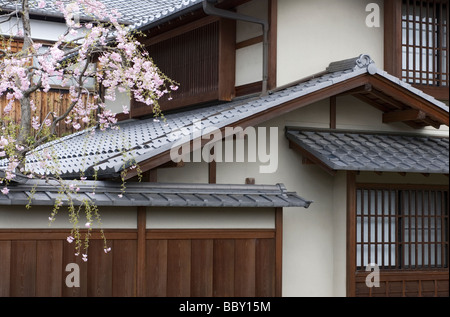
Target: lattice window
(402,228)
(424,27)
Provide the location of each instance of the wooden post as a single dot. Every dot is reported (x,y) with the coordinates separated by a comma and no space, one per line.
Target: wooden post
(141,250)
(278,251)
(351,232)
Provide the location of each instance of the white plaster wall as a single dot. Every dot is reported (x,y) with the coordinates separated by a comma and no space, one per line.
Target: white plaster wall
(210,218)
(18,217)
(313,33)
(40,30)
(314,241)
(249,60)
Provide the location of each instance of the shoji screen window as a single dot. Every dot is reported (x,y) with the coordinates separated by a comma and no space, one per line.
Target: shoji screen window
(402,228)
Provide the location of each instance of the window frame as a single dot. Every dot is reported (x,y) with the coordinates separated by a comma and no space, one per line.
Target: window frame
(393,47)
(402,228)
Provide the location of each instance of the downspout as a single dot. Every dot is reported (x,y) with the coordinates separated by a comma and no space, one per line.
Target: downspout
(210,9)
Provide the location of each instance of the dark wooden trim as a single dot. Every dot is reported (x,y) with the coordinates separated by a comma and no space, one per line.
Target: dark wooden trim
(171,234)
(440,93)
(333,112)
(410,99)
(248,89)
(122,116)
(278,251)
(351,232)
(141,251)
(403,115)
(249,42)
(51,234)
(273,21)
(150,40)
(393,37)
(412,275)
(212,167)
(401,186)
(227,59)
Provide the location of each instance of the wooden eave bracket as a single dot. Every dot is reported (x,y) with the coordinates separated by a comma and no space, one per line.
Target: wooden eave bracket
(417,109)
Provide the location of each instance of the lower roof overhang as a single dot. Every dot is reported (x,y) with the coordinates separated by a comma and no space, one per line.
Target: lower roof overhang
(152,195)
(336,150)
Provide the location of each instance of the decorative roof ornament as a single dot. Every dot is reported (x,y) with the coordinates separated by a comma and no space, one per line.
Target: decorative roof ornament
(363,61)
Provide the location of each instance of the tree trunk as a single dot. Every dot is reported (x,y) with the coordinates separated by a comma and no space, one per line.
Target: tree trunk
(25,106)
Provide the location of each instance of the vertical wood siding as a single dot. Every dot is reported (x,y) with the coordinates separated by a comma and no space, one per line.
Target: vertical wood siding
(53,101)
(215,263)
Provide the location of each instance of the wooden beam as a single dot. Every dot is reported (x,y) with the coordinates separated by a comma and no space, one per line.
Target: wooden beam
(212,172)
(389,100)
(273,21)
(141,250)
(249,42)
(364,89)
(372,102)
(403,115)
(278,251)
(410,99)
(333,112)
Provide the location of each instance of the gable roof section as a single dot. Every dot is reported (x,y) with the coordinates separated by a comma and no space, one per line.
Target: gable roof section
(157,195)
(336,150)
(149,142)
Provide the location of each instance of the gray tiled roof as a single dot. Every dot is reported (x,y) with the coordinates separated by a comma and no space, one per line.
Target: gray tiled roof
(144,139)
(137,13)
(382,152)
(157,195)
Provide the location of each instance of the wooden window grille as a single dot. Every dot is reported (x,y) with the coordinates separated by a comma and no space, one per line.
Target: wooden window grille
(416,44)
(402,229)
(425,42)
(199,56)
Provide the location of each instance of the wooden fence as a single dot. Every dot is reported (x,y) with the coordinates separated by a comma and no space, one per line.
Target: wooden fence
(53,101)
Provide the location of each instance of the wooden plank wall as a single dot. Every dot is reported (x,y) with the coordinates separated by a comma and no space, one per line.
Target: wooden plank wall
(187,263)
(53,101)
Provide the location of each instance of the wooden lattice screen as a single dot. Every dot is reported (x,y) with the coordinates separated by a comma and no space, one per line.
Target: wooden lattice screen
(405,232)
(425,59)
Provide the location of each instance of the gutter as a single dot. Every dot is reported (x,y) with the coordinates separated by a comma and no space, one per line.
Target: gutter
(210,9)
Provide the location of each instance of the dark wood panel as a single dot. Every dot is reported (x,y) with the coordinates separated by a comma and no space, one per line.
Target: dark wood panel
(245,267)
(23,268)
(174,267)
(202,268)
(223,268)
(265,268)
(124,268)
(99,270)
(178,268)
(156,268)
(69,257)
(49,268)
(5,267)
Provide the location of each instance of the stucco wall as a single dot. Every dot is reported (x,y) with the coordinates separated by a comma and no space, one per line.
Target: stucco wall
(311,34)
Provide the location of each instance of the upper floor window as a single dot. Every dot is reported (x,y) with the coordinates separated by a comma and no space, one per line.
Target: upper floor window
(200,56)
(424,43)
(416,44)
